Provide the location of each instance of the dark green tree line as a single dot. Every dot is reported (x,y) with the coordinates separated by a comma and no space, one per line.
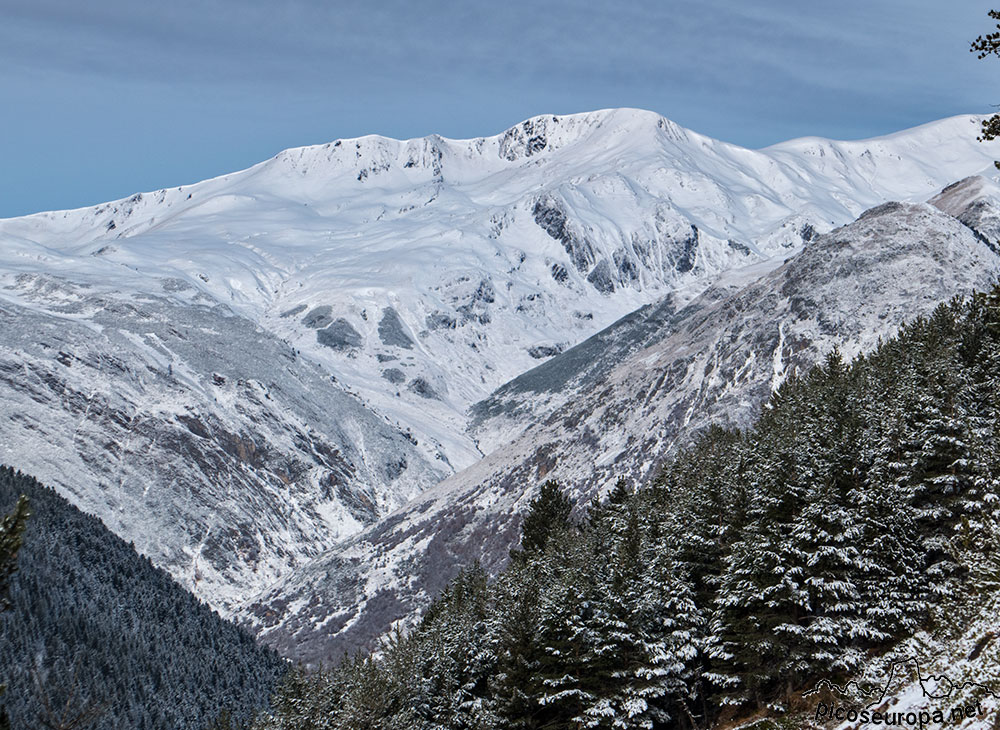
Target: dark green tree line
(98,638)
(11,535)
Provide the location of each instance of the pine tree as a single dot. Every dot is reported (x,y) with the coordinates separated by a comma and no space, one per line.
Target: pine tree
(652,634)
(548,513)
(761,592)
(454,656)
(95,625)
(938,465)
(983,46)
(825,533)
(514,641)
(568,601)
(703,497)
(11,536)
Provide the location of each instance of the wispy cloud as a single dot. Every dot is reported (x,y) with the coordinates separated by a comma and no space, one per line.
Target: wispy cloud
(254,76)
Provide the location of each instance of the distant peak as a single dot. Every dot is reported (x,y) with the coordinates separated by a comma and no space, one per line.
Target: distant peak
(962,125)
(885,209)
(552,131)
(529,138)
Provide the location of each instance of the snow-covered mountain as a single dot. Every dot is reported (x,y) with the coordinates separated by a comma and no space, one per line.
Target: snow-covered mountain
(619,402)
(192,432)
(237,374)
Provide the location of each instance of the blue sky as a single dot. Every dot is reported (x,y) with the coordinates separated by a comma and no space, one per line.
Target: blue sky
(105,98)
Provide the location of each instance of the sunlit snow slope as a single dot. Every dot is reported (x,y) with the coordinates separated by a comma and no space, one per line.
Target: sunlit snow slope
(236,374)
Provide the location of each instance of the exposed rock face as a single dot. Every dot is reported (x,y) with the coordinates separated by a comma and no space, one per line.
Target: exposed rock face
(391,330)
(394,375)
(317,318)
(549,214)
(339,335)
(526,139)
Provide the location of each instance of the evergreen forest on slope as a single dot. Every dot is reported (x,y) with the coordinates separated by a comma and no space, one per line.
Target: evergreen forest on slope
(758,562)
(96,638)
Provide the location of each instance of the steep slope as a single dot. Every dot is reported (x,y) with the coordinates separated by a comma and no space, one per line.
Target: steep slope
(192,432)
(94,626)
(184,386)
(714,360)
(954,669)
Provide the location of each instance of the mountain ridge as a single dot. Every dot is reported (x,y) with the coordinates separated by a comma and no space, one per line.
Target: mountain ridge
(404,296)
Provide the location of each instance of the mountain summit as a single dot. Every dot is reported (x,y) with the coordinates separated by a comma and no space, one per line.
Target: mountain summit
(238,374)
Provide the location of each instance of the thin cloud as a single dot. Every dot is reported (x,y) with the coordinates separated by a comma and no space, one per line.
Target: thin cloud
(254,77)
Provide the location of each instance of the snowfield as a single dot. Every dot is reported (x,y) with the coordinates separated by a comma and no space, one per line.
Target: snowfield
(239,374)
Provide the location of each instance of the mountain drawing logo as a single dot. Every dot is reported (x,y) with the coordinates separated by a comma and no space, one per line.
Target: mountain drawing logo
(933,686)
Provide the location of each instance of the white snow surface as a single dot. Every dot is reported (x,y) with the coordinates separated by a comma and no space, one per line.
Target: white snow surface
(418,225)
(408,278)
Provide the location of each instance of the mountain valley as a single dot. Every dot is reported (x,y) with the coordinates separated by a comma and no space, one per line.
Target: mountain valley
(314,389)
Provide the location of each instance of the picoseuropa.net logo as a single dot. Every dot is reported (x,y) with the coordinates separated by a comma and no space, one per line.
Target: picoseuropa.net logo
(910,718)
(855,704)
